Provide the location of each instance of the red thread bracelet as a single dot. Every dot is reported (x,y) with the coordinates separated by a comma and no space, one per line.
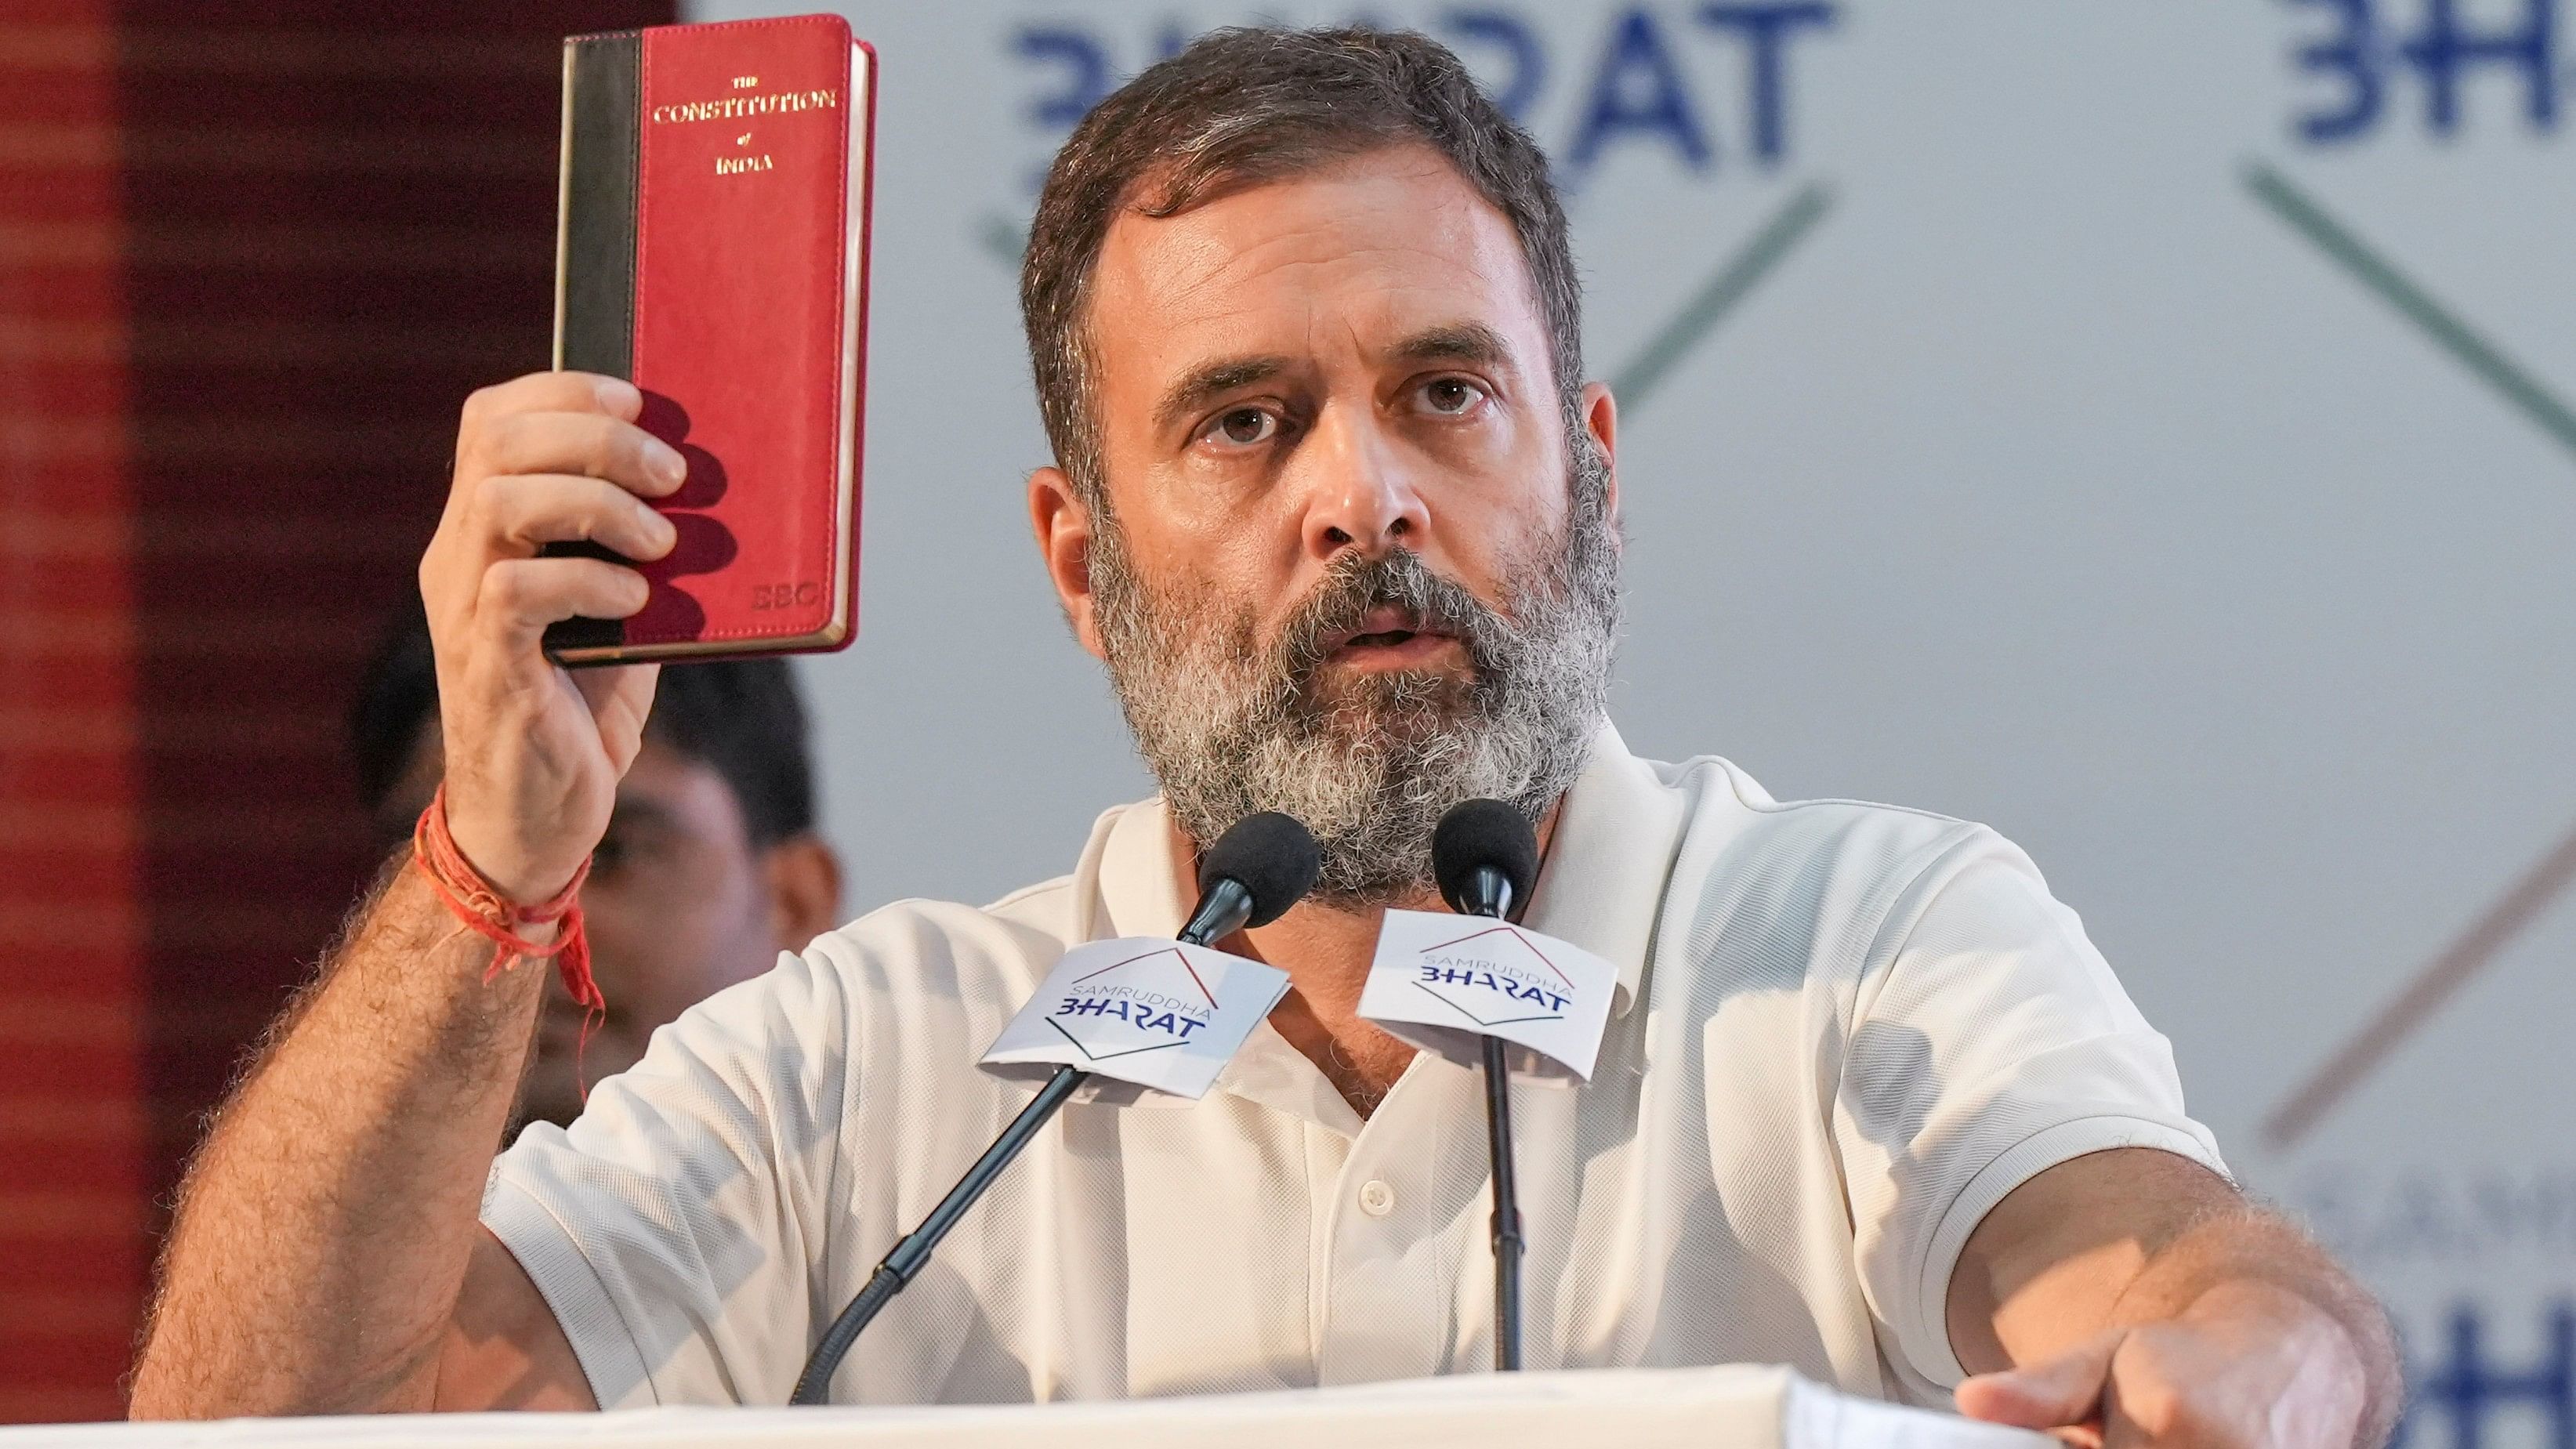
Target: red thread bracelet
(496,918)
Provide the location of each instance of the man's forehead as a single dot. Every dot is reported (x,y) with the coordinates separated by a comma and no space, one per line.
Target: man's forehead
(1368,254)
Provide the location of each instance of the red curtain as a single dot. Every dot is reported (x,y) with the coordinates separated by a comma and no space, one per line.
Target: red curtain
(252,258)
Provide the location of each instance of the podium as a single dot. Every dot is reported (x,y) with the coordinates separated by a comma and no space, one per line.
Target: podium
(1734,1406)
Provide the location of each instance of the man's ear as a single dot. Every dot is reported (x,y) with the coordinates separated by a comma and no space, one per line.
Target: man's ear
(1063,527)
(1601,420)
(804,879)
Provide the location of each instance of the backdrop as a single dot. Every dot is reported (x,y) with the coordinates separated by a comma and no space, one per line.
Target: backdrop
(2142,427)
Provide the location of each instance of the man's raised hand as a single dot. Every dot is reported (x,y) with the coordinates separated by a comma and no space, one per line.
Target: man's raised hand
(534,752)
(325,1256)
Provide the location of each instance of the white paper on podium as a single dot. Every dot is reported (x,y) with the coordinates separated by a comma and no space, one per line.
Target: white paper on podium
(1735,1406)
(1152,1012)
(1441,981)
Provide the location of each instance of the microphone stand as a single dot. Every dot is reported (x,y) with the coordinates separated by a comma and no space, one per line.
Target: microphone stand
(1507,1209)
(1490,895)
(912,1252)
(1221,912)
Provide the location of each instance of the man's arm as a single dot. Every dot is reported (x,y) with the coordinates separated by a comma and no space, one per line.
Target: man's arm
(328,1227)
(327,1254)
(2135,1291)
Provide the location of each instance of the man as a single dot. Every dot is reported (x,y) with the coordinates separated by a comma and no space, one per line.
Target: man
(709,868)
(1333,505)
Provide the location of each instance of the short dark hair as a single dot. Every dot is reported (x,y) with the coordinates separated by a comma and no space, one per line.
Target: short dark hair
(741,718)
(1243,106)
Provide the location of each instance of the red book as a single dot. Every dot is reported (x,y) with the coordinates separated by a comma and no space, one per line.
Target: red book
(713,251)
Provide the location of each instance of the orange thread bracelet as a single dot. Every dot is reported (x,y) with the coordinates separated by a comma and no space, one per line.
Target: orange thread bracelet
(493,916)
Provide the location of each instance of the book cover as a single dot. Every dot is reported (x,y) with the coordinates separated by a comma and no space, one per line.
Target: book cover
(712,249)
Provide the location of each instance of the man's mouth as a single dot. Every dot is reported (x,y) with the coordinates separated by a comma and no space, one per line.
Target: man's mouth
(1382,639)
(1388,639)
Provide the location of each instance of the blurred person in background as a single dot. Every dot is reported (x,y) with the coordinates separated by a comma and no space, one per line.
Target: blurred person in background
(711,865)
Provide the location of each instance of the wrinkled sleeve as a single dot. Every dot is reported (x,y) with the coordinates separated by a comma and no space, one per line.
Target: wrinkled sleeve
(671,1227)
(1988,1042)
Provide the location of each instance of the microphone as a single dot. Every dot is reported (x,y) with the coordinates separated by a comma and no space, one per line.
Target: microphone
(1485,857)
(1259,868)
(1252,875)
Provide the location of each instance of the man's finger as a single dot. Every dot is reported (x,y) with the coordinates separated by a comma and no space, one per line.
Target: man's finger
(521,596)
(522,511)
(2054,1393)
(589,445)
(620,699)
(555,392)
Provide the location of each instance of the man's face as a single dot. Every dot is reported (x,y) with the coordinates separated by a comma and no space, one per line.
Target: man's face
(680,904)
(1348,575)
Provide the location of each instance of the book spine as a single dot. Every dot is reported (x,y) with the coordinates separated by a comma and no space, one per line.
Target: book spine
(595,246)
(595,265)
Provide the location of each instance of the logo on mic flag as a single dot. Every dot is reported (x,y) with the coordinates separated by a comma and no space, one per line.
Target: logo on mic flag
(1499,960)
(1154,1012)
(1148,1002)
(1439,981)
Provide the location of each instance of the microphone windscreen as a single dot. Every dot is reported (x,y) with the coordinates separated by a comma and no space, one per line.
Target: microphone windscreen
(1271,856)
(1477,834)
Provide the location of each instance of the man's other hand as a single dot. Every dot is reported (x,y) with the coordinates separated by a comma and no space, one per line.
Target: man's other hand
(2133,1297)
(534,752)
(2246,1365)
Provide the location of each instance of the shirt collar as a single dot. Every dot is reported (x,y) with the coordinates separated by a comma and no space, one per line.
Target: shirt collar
(1136,880)
(1602,883)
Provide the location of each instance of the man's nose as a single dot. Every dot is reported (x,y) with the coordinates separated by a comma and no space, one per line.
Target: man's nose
(1361,494)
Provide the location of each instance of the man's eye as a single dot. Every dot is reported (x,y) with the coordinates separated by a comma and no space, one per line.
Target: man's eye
(1451,395)
(1243,427)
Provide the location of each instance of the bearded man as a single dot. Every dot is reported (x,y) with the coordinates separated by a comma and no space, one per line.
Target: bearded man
(1336,509)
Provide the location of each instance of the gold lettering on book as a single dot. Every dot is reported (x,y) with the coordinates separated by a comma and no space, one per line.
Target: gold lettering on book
(736,165)
(732,108)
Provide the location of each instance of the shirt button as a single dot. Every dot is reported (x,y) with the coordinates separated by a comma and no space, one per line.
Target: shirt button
(1376,1198)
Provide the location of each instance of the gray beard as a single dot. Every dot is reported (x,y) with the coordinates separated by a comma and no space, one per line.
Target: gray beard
(1370,764)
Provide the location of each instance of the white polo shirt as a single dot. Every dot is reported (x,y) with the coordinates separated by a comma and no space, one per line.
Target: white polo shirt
(1843,1033)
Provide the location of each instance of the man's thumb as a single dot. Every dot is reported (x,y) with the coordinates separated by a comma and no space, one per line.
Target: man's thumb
(2054,1393)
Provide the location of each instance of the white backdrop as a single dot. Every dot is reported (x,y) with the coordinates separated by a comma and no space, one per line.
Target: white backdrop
(2140,426)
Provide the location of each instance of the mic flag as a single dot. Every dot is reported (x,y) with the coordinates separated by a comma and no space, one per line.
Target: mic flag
(1158,1013)
(1441,981)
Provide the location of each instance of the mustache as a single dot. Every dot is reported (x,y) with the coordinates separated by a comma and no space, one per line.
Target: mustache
(1354,586)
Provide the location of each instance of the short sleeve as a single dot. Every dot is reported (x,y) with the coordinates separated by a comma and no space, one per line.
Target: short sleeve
(1989,1041)
(671,1227)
